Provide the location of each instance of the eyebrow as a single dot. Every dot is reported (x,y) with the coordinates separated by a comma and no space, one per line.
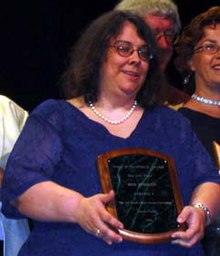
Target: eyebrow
(210,40)
(124,41)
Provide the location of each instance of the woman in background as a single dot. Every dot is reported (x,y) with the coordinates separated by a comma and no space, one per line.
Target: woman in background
(199,56)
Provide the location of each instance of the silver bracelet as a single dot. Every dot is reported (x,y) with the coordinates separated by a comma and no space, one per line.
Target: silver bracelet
(206,211)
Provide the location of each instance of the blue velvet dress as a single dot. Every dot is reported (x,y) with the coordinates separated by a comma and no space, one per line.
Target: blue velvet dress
(59,143)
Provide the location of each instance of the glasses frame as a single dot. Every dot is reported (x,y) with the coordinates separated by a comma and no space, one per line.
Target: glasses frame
(132,49)
(202,48)
(171,37)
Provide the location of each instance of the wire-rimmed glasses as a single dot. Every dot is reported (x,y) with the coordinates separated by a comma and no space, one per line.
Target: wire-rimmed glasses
(126,49)
(170,36)
(207,48)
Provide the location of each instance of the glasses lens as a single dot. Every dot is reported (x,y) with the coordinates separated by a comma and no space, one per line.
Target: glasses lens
(170,36)
(144,53)
(210,48)
(124,49)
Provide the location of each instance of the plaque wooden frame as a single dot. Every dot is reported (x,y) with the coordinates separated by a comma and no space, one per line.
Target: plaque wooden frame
(217,153)
(104,171)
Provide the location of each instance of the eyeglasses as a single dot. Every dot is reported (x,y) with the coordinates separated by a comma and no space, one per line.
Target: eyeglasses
(208,48)
(170,36)
(126,49)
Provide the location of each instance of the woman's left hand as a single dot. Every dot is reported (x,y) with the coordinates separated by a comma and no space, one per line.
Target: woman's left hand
(195,219)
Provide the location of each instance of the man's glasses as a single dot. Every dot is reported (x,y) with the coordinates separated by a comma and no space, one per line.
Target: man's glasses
(208,48)
(170,36)
(126,49)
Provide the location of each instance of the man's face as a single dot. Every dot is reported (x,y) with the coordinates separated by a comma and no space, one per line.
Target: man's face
(163,28)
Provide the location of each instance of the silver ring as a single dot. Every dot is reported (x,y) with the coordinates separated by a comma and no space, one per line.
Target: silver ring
(98,232)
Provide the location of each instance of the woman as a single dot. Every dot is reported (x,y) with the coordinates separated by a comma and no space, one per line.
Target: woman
(199,56)
(113,88)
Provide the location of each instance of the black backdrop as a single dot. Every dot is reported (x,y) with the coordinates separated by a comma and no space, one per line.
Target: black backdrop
(36,36)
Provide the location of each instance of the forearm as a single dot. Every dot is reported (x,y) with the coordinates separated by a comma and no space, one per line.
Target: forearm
(209,194)
(48,201)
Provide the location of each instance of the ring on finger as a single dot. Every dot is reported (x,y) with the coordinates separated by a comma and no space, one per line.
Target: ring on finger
(98,232)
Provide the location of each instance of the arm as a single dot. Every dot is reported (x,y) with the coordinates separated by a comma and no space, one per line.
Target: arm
(196,218)
(208,193)
(48,201)
(28,189)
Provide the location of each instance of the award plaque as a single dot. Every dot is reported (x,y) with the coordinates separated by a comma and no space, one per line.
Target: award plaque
(147,194)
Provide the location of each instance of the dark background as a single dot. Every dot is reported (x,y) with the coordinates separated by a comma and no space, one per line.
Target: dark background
(36,36)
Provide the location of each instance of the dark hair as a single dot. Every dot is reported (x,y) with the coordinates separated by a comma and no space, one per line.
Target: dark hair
(192,34)
(87,56)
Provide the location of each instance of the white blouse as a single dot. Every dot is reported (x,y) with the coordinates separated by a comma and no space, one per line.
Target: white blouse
(12,118)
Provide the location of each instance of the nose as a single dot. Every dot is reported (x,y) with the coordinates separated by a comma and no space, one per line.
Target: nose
(162,42)
(135,58)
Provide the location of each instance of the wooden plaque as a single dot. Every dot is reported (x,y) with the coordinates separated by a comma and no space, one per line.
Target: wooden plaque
(147,194)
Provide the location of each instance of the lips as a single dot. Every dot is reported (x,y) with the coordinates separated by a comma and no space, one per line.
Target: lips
(132,73)
(216,67)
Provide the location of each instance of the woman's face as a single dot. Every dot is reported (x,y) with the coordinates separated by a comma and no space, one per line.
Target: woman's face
(121,75)
(206,60)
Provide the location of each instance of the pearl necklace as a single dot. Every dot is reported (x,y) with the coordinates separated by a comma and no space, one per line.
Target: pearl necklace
(206,101)
(115,122)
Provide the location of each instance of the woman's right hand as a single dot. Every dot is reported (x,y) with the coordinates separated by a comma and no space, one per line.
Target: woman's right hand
(93,217)
(48,201)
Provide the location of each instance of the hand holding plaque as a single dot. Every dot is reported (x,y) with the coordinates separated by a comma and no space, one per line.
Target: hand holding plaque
(148,199)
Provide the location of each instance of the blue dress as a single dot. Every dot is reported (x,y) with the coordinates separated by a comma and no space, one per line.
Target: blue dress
(61,144)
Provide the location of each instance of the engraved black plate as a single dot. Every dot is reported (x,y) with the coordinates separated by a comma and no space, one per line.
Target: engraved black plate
(147,199)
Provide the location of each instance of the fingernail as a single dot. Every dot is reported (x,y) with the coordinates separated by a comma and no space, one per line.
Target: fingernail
(175,241)
(179,220)
(120,240)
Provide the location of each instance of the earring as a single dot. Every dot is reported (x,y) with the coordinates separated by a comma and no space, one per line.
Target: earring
(186,78)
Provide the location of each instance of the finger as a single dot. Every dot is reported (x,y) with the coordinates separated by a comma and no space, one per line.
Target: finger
(184,215)
(111,221)
(98,232)
(187,238)
(108,197)
(105,216)
(187,235)
(108,235)
(185,243)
